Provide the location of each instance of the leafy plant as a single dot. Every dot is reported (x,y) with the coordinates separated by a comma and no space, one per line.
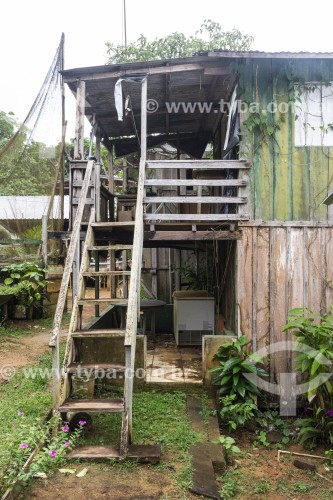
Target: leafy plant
(230,485)
(195,278)
(234,363)
(318,427)
(230,447)
(262,438)
(30,278)
(237,414)
(28,435)
(261,487)
(270,420)
(314,336)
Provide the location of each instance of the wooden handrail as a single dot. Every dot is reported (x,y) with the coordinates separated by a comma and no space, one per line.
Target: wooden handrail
(75,238)
(132,309)
(70,255)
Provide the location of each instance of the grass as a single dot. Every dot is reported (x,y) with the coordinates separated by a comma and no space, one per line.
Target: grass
(28,394)
(158,417)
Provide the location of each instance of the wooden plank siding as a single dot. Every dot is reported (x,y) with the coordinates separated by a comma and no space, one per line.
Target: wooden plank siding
(279,269)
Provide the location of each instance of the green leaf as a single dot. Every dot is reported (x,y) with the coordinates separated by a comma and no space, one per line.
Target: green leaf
(225,379)
(249,367)
(314,367)
(230,363)
(8,281)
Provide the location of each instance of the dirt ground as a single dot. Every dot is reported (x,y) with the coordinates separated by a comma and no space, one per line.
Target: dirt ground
(257,475)
(16,352)
(105,482)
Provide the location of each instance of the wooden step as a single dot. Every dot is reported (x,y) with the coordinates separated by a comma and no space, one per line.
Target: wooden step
(106,273)
(110,225)
(84,368)
(93,405)
(98,333)
(115,302)
(139,453)
(112,248)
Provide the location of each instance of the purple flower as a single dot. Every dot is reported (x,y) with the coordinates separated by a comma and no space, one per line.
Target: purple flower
(306,409)
(24,445)
(14,425)
(82,422)
(53,453)
(65,428)
(20,412)
(329,413)
(67,443)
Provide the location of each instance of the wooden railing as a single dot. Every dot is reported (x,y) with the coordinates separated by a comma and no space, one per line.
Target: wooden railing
(74,242)
(228,202)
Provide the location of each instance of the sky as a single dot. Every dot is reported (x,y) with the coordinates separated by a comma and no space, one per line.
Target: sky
(31,30)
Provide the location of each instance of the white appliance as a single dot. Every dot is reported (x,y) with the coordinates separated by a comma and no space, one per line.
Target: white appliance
(193,318)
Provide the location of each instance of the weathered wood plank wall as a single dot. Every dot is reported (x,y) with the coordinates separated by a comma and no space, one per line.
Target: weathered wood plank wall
(286,182)
(278,269)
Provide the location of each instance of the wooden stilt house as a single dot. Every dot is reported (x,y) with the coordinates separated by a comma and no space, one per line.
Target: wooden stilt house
(250,203)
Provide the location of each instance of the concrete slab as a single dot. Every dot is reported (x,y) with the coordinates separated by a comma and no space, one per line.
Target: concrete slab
(167,363)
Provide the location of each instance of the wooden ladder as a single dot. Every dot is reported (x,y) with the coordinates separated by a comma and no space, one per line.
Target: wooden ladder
(83,354)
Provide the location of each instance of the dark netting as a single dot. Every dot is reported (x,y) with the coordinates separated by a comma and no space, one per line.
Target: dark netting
(31,169)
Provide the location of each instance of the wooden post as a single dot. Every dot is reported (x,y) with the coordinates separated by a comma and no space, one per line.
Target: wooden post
(64,126)
(97,183)
(144,120)
(98,146)
(44,239)
(133,309)
(111,173)
(79,122)
(154,271)
(125,176)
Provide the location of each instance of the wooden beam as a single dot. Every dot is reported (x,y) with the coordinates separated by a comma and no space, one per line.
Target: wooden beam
(195,199)
(195,182)
(194,217)
(279,223)
(79,122)
(199,164)
(191,236)
(157,70)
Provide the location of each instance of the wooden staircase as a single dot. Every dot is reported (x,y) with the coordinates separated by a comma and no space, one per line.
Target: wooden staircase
(79,339)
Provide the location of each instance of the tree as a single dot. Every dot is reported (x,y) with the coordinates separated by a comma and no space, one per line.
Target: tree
(210,36)
(26,168)
(7,123)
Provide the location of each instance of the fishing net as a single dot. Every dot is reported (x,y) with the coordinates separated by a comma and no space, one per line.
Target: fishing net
(32,168)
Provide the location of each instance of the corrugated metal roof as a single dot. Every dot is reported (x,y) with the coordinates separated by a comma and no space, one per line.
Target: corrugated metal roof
(205,78)
(29,207)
